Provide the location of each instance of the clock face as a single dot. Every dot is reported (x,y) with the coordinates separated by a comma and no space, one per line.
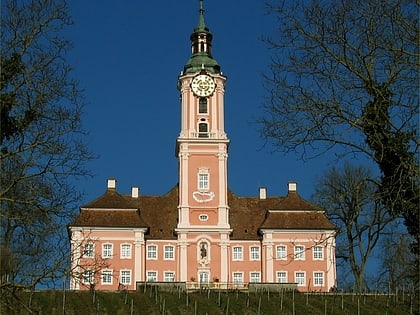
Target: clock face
(203,85)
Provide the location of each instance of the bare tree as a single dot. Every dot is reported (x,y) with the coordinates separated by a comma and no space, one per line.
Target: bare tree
(42,144)
(349,199)
(345,77)
(399,270)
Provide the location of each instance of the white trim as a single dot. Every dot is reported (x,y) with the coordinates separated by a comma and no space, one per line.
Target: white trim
(130,274)
(286,278)
(323,278)
(121,251)
(304,278)
(173,252)
(156,252)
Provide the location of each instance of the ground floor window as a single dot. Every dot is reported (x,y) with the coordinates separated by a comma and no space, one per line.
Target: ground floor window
(106,276)
(88,277)
(125,277)
(281,276)
(254,277)
(169,276)
(318,279)
(300,278)
(152,276)
(238,277)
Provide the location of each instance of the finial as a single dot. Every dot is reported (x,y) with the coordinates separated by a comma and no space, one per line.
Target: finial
(201,7)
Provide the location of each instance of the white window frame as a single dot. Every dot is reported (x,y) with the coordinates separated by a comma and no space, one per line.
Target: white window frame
(169,276)
(89,252)
(239,254)
(106,274)
(299,252)
(281,255)
(124,274)
(254,253)
(281,276)
(123,253)
(255,277)
(107,250)
(149,253)
(238,277)
(318,252)
(152,276)
(88,276)
(169,252)
(300,278)
(203,179)
(318,278)
(203,217)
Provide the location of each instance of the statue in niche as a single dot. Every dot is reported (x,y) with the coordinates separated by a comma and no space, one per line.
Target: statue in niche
(203,253)
(203,250)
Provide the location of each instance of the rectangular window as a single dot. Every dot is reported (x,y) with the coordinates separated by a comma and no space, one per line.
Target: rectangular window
(152,252)
(318,253)
(88,250)
(202,105)
(203,181)
(106,276)
(106,250)
(88,277)
(125,251)
(125,277)
(299,252)
(238,277)
(254,277)
(237,253)
(281,252)
(204,277)
(281,276)
(318,279)
(169,276)
(300,278)
(152,276)
(169,253)
(254,253)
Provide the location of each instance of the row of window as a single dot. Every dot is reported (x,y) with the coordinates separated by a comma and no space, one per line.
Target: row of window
(254,277)
(299,278)
(299,252)
(107,250)
(107,277)
(237,252)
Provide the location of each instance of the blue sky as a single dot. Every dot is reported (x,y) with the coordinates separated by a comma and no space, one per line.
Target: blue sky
(127,56)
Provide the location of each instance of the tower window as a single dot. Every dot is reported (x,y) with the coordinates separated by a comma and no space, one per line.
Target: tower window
(202,106)
(203,181)
(203,130)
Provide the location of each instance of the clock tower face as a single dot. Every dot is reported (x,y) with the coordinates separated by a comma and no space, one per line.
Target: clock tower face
(203,85)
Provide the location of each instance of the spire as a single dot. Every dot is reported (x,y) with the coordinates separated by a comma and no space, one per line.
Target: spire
(201,44)
(201,25)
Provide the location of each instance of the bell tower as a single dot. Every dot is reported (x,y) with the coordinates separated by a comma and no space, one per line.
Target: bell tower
(202,149)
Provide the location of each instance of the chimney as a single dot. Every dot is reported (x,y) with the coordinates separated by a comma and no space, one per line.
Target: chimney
(292,187)
(112,183)
(263,193)
(134,192)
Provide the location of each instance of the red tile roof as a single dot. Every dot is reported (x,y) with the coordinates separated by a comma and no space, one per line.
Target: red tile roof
(247,215)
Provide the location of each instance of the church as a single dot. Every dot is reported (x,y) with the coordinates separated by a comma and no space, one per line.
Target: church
(200,232)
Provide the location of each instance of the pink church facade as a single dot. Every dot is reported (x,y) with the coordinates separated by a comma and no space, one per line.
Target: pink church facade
(200,232)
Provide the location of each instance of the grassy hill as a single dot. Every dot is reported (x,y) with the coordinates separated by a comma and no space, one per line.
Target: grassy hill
(154,301)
